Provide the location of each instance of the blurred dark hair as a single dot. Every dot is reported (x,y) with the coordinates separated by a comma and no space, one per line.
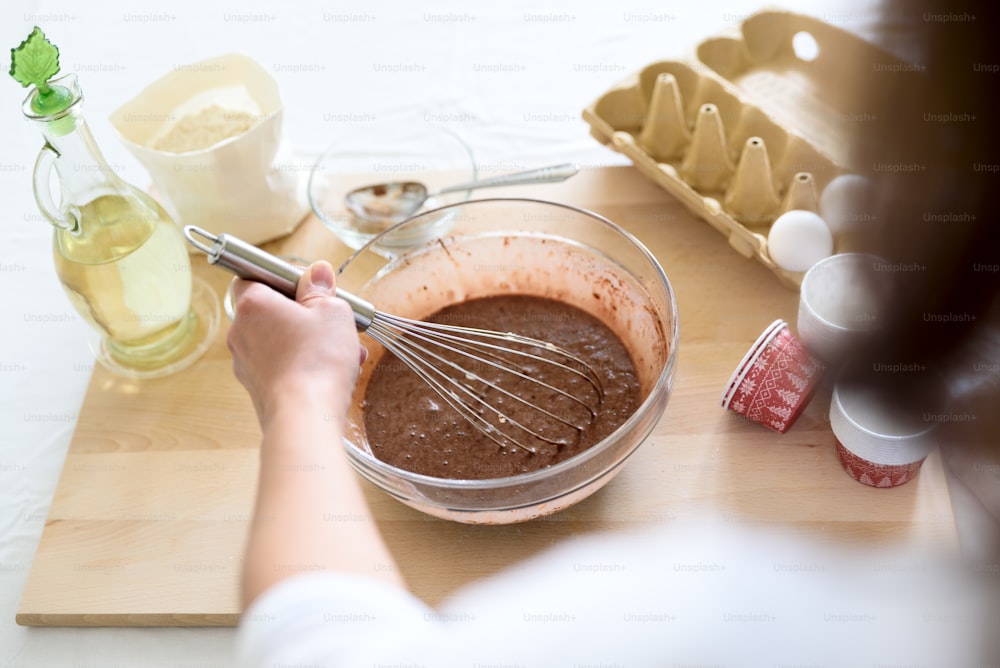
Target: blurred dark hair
(933,149)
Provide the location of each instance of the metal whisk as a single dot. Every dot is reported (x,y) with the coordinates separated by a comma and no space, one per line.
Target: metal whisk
(472,370)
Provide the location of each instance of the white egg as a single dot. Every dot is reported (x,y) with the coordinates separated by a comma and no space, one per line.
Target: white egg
(847,203)
(798,240)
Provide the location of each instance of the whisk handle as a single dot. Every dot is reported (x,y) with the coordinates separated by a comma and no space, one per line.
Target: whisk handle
(254,264)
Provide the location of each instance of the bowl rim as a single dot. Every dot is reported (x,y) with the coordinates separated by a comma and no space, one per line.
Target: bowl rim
(666,373)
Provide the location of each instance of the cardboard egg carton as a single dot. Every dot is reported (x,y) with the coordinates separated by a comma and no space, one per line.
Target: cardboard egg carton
(755,123)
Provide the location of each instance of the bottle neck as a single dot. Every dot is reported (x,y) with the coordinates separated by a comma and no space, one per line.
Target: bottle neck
(83,172)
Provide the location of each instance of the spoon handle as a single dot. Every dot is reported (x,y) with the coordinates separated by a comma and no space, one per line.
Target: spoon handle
(551,174)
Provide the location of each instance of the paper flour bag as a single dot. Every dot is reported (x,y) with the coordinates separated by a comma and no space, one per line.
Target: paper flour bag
(210,135)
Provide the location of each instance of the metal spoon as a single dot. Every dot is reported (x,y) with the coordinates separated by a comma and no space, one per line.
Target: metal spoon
(395,202)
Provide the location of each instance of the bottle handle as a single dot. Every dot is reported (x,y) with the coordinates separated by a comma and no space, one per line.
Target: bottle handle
(64,220)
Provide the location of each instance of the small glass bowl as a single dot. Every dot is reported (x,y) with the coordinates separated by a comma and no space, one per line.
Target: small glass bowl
(519,246)
(388,152)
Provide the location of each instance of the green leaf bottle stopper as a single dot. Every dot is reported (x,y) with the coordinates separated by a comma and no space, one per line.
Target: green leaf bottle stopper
(34,62)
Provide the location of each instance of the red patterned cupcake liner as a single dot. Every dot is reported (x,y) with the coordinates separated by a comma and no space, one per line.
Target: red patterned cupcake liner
(877,475)
(775,380)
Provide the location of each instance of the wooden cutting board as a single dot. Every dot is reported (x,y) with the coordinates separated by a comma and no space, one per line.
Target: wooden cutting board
(149,518)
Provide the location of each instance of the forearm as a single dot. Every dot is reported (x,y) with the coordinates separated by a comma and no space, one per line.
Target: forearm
(311,514)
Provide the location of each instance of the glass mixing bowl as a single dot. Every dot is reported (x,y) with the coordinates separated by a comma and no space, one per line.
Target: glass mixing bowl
(518,246)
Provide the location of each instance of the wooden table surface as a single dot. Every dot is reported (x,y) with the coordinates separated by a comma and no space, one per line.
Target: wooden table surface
(149,518)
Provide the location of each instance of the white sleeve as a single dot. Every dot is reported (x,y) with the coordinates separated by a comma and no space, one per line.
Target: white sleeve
(663,597)
(330,619)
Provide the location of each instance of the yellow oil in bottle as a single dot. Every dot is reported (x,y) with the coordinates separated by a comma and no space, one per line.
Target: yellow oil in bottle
(126,270)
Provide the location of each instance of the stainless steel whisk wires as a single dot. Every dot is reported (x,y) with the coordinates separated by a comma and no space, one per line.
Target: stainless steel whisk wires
(467,367)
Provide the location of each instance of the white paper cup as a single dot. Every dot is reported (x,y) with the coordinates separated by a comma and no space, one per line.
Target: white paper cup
(840,303)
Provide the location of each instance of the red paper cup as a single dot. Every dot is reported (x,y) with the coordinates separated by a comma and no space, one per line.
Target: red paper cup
(774,381)
(879,445)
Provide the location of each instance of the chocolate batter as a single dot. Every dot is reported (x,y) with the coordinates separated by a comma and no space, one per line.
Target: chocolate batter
(409,426)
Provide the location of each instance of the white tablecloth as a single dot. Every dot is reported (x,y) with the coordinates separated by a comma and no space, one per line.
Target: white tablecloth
(510,77)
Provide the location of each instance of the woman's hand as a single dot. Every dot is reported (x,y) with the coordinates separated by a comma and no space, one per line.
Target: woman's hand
(284,351)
